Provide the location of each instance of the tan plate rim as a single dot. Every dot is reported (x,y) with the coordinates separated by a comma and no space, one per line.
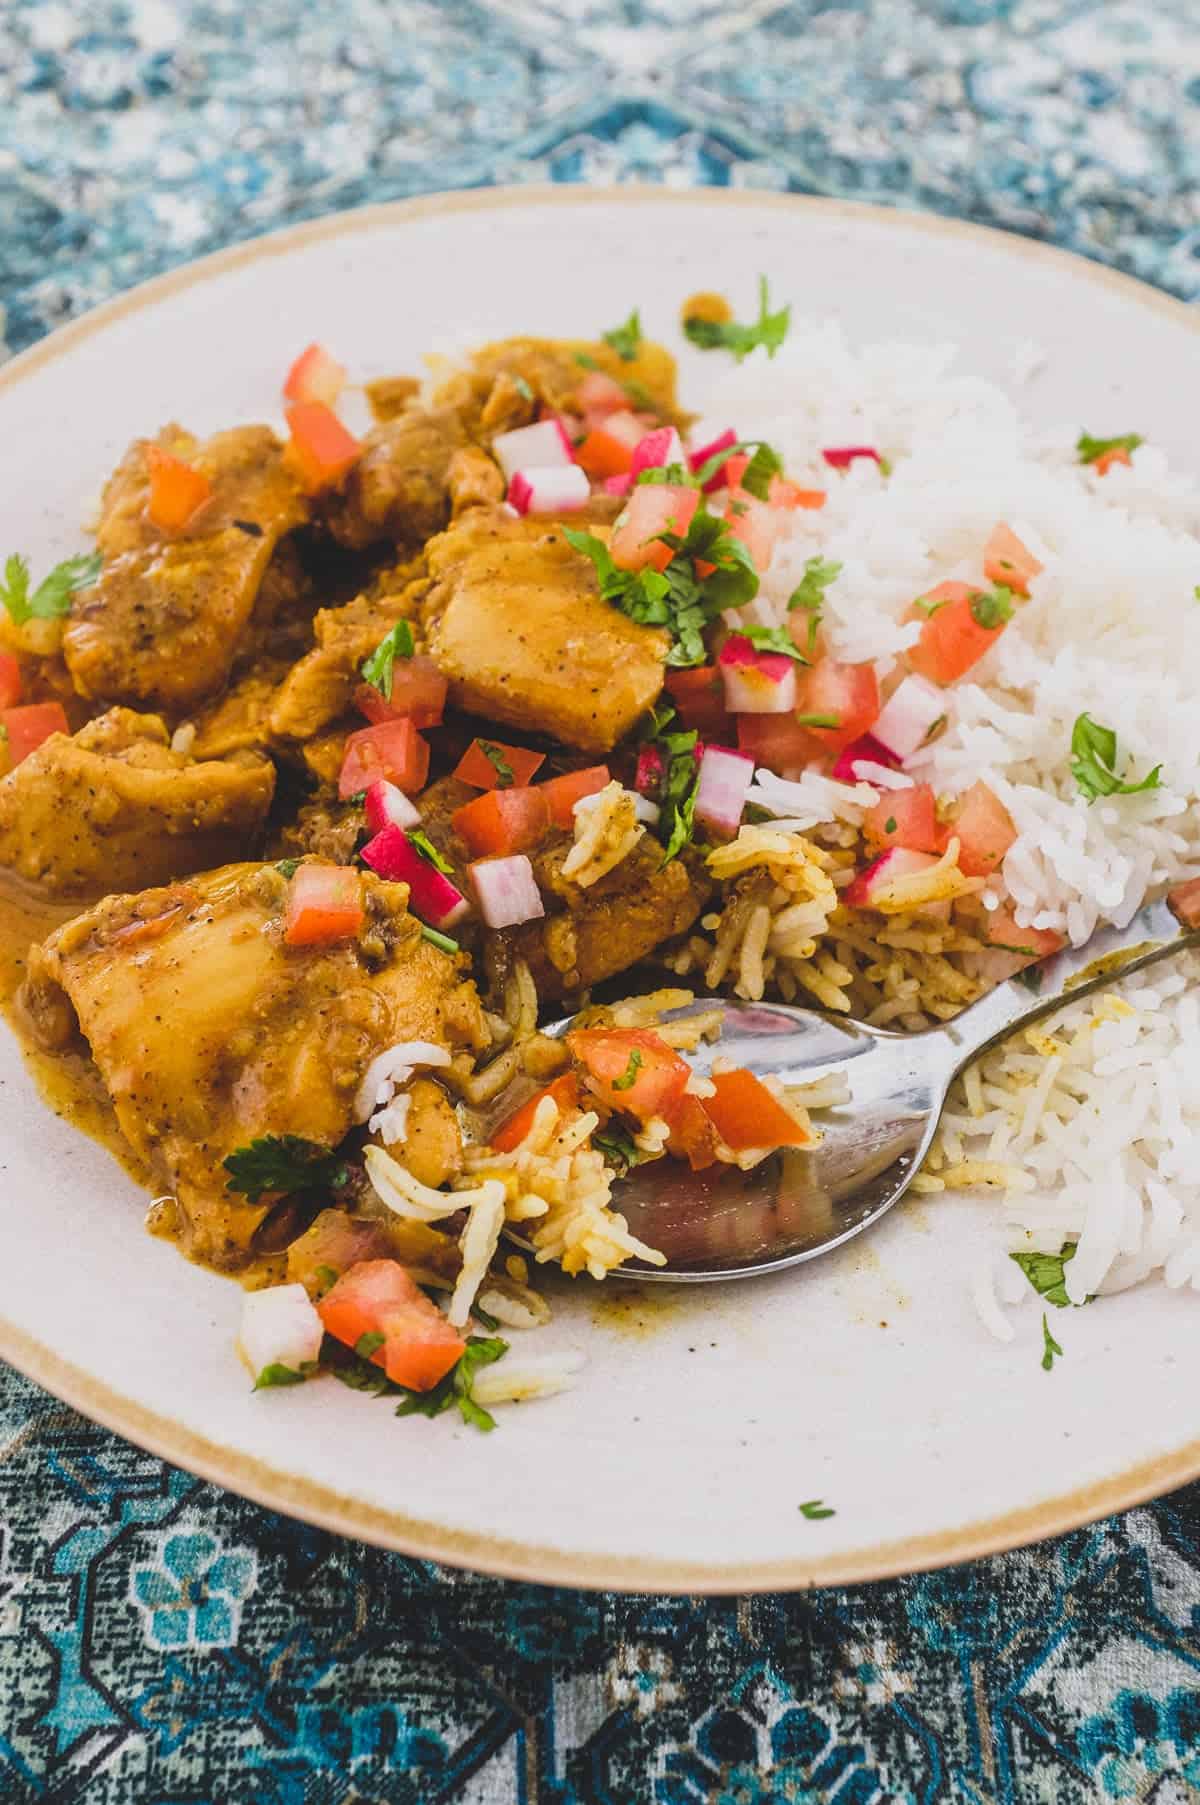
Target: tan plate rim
(327,1508)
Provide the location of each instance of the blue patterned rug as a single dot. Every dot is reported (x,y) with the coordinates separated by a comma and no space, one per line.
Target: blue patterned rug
(162,1641)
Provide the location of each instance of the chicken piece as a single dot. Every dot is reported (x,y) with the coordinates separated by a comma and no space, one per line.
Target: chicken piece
(209,1032)
(168,615)
(399,488)
(474,481)
(329,829)
(321,686)
(113,806)
(392,395)
(432,1148)
(503,383)
(598,932)
(525,638)
(240,719)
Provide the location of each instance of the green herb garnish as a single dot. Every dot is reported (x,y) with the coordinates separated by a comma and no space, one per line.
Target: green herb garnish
(818,720)
(455,1388)
(1050,1347)
(369,1343)
(1046,1272)
(625,338)
(420,842)
(326,1277)
(889,826)
(756,477)
(928,607)
(1089,449)
(498,762)
(1093,757)
(628,1077)
(769,330)
(52,597)
(442,941)
(618,1150)
(522,387)
(288,868)
(681,776)
(277,1374)
(991,608)
(809,593)
(586,361)
(774,639)
(282,1162)
(380,666)
(815,1509)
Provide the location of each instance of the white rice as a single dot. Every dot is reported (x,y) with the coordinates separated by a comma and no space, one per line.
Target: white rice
(1097,1126)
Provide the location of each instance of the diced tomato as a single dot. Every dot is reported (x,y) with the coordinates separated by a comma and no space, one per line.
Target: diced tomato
(323,447)
(904,818)
(22,730)
(315,376)
(1006,560)
(1104,463)
(1184,902)
(845,693)
(479,770)
(324,904)
(600,394)
(755,524)
(10,680)
(378,1297)
(745,1114)
(514,1128)
(952,640)
(776,740)
(733,470)
(418,694)
(652,508)
(1000,929)
(783,493)
(984,830)
(603,455)
(560,794)
(699,695)
(693,1136)
(502,821)
(631,1069)
(390,749)
(177,490)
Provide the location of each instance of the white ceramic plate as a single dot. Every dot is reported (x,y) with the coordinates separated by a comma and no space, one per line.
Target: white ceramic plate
(705,1416)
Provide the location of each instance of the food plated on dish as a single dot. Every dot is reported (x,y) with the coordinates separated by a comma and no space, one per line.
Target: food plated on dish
(351,758)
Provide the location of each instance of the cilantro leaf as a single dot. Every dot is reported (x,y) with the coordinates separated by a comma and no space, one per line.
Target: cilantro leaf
(626,338)
(819,720)
(991,608)
(1093,757)
(628,1077)
(52,597)
(889,827)
(369,1343)
(681,777)
(809,593)
(769,330)
(1046,1272)
(1089,449)
(420,842)
(288,867)
(618,1150)
(756,477)
(282,1162)
(455,1388)
(277,1374)
(498,762)
(774,639)
(379,668)
(815,1509)
(1050,1347)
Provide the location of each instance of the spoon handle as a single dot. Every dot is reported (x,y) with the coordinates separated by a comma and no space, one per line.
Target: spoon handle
(1156,931)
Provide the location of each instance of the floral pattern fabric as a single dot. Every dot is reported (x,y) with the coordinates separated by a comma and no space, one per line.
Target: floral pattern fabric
(166,1642)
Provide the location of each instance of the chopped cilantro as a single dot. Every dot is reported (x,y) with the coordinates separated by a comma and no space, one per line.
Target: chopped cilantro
(420,842)
(618,1150)
(369,1343)
(277,1374)
(1089,449)
(326,1277)
(52,597)
(359,1375)
(991,608)
(498,762)
(1093,757)
(818,720)
(809,593)
(756,477)
(522,387)
(815,1509)
(682,769)
(282,1162)
(1046,1273)
(455,1388)
(1050,1347)
(889,826)
(626,338)
(628,1077)
(586,361)
(774,639)
(443,942)
(675,474)
(925,605)
(769,330)
(288,867)
(738,508)
(380,666)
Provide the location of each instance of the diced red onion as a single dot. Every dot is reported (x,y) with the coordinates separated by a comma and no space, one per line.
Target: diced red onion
(725,777)
(866,747)
(538,447)
(658,449)
(907,716)
(507,891)
(386,806)
(431,895)
(549,489)
(842,456)
(724,441)
(756,682)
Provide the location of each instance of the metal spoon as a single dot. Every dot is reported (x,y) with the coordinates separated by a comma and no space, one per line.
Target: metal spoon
(723,1223)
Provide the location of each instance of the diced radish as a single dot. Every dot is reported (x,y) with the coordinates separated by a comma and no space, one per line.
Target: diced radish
(904,818)
(776,740)
(507,891)
(600,394)
(837,702)
(651,769)
(866,750)
(10,681)
(882,872)
(653,509)
(545,490)
(1008,561)
(618,485)
(756,682)
(543,446)
(658,449)
(725,777)
(418,694)
(842,456)
(560,794)
(324,904)
(701,454)
(315,376)
(432,896)
(908,715)
(984,830)
(386,806)
(280,1327)
(699,695)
